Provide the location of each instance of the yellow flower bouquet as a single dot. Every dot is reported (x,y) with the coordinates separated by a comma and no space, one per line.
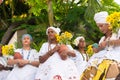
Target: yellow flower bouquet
(8,50)
(90,50)
(64,39)
(114,20)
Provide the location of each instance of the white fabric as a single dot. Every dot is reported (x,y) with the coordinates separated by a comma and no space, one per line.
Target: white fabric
(3,61)
(57,30)
(27,72)
(112,53)
(54,65)
(33,54)
(79,61)
(100,17)
(4,74)
(76,41)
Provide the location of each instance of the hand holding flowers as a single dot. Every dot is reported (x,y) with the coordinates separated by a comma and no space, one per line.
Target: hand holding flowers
(64,39)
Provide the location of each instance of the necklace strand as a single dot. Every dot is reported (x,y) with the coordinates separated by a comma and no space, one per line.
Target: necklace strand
(27,55)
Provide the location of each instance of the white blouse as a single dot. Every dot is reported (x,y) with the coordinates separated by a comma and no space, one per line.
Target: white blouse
(28,54)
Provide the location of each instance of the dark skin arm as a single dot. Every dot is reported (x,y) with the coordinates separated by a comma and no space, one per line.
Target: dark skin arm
(22,63)
(71,53)
(1,67)
(107,43)
(43,58)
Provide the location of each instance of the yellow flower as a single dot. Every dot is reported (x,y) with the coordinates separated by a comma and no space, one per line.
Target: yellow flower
(114,20)
(14,16)
(6,2)
(57,37)
(7,50)
(64,38)
(89,50)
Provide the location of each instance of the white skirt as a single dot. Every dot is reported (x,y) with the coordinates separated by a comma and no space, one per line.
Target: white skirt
(56,68)
(26,73)
(4,74)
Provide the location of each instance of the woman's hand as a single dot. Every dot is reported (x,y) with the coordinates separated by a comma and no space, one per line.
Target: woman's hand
(56,48)
(22,63)
(95,50)
(63,55)
(71,53)
(103,44)
(1,67)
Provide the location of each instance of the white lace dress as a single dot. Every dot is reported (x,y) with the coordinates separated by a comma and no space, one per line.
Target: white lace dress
(55,68)
(27,72)
(111,52)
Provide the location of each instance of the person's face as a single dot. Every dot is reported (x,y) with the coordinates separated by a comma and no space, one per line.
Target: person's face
(82,43)
(26,40)
(51,34)
(104,27)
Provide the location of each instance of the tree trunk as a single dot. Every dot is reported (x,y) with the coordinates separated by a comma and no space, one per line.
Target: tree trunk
(9,33)
(50,13)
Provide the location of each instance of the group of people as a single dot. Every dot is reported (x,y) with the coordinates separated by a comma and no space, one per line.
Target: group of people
(75,64)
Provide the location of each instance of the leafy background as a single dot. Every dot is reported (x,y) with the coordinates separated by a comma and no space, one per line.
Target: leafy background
(76,17)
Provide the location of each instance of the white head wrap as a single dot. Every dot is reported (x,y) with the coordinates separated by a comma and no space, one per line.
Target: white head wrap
(57,30)
(76,41)
(100,17)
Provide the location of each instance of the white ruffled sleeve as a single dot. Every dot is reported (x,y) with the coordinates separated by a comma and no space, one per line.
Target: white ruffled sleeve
(102,39)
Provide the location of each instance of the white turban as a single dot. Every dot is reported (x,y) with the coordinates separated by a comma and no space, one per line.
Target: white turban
(76,41)
(100,17)
(57,30)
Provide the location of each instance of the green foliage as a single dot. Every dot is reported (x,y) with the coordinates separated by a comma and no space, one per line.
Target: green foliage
(93,7)
(36,6)
(37,31)
(68,15)
(1,33)
(37,46)
(110,6)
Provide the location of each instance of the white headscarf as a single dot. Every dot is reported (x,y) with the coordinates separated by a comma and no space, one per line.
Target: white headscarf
(76,41)
(57,30)
(100,17)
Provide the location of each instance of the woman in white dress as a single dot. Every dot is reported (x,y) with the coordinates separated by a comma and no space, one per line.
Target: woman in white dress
(81,57)
(25,62)
(4,69)
(52,67)
(107,52)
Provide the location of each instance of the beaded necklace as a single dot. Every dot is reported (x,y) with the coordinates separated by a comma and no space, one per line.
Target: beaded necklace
(27,55)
